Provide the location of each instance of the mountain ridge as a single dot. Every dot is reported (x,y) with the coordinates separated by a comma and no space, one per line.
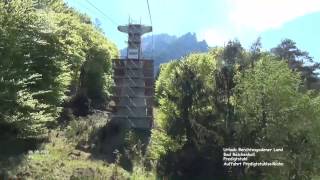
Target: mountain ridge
(164,47)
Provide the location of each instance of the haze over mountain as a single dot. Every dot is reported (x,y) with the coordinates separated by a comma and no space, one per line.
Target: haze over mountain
(166,47)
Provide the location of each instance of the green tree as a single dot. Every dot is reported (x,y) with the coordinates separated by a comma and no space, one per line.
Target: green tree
(255,51)
(183,90)
(206,104)
(34,75)
(272,112)
(44,45)
(298,60)
(190,125)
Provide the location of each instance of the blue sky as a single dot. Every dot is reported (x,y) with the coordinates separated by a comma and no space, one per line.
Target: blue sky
(215,21)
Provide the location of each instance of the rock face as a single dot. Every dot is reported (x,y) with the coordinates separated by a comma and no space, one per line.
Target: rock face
(166,47)
(77,154)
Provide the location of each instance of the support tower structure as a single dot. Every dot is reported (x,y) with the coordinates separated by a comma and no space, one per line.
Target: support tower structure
(134,82)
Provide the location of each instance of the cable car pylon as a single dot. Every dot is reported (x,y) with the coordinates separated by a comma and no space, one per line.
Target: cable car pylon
(134,82)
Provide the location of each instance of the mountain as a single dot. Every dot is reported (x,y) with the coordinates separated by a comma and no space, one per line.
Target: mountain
(166,47)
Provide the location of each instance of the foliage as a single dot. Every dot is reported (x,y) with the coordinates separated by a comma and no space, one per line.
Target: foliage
(135,152)
(59,159)
(44,45)
(50,55)
(161,144)
(140,173)
(250,99)
(273,112)
(255,51)
(183,90)
(34,75)
(81,130)
(187,117)
(299,60)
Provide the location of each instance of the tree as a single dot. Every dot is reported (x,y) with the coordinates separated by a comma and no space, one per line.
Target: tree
(255,51)
(43,46)
(273,112)
(232,57)
(186,90)
(233,53)
(182,90)
(298,60)
(34,75)
(206,104)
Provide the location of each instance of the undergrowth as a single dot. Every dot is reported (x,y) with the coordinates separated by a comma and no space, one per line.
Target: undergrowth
(62,158)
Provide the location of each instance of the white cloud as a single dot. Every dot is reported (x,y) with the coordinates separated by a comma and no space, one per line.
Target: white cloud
(214,36)
(261,15)
(246,19)
(219,36)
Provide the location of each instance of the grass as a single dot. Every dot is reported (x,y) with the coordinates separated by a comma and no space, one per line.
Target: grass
(60,158)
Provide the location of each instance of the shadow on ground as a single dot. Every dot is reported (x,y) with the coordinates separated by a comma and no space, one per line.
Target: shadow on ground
(13,151)
(113,143)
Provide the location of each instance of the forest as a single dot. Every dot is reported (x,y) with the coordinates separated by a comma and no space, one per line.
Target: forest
(56,82)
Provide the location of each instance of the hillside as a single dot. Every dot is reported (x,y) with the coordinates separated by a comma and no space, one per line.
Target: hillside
(71,110)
